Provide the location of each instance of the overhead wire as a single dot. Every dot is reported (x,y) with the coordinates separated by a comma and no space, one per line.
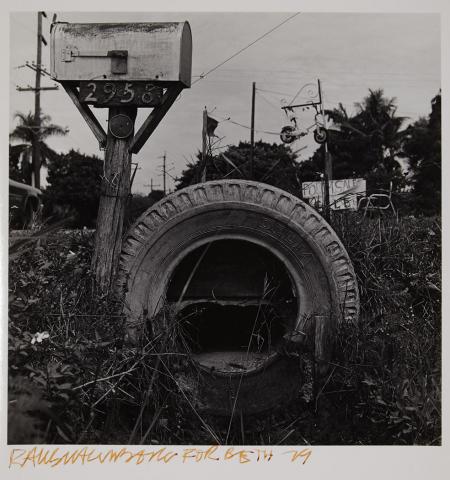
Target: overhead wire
(334,71)
(273,91)
(260,95)
(327,100)
(202,76)
(247,127)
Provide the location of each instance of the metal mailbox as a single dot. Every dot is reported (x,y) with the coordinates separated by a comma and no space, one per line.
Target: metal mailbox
(152,52)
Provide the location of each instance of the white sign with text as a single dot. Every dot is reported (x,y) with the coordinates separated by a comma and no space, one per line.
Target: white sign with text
(344,193)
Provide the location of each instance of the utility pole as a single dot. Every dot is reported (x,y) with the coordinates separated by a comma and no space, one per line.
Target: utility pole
(37,106)
(151,185)
(328,173)
(36,160)
(204,147)
(164,173)
(252,133)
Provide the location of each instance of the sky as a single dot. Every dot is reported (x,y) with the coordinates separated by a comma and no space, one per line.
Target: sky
(349,52)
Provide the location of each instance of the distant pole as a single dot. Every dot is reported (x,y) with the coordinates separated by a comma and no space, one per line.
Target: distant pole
(164,173)
(252,133)
(204,145)
(37,106)
(152,185)
(328,167)
(34,176)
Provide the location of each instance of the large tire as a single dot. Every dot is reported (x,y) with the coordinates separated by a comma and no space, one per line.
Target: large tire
(296,234)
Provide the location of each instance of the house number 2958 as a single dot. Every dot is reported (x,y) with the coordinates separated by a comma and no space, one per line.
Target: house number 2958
(120,93)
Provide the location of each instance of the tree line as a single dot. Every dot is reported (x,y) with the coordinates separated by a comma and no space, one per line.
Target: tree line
(371,143)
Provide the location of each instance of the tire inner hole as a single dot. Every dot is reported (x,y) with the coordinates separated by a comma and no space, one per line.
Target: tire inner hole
(235,301)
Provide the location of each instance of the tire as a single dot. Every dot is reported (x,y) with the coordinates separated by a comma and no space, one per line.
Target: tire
(286,134)
(320,135)
(320,269)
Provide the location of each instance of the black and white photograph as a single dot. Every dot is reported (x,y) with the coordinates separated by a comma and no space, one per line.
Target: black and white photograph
(224,228)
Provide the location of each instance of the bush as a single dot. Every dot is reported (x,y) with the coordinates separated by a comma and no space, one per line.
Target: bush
(74,182)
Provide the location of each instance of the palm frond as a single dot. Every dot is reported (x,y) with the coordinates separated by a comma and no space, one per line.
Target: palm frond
(50,130)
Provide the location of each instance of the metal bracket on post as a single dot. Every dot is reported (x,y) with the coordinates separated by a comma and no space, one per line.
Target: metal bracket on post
(154,118)
(87,114)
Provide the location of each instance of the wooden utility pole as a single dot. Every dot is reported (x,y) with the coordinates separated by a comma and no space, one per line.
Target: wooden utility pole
(252,133)
(115,189)
(151,185)
(204,145)
(328,170)
(164,172)
(35,176)
(37,106)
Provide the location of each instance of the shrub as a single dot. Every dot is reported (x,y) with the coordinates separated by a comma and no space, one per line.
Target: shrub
(74,181)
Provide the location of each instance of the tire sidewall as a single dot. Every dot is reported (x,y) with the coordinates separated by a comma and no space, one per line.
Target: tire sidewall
(317,263)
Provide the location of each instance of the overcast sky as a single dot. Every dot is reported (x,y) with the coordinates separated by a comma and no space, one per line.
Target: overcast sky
(350,53)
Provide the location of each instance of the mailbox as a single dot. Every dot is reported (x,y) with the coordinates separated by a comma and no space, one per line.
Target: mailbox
(160,53)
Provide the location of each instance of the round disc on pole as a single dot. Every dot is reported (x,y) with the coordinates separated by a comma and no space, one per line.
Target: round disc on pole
(121,126)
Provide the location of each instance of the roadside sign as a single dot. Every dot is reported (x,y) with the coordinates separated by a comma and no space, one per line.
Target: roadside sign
(344,193)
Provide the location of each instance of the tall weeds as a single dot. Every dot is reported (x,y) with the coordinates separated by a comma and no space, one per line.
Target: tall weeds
(73,380)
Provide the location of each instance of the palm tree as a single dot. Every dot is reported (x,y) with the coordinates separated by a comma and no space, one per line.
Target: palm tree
(370,141)
(33,144)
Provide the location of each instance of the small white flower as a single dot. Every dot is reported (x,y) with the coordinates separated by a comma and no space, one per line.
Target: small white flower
(38,337)
(71,255)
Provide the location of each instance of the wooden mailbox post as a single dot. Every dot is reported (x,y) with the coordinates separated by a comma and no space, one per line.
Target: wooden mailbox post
(122,67)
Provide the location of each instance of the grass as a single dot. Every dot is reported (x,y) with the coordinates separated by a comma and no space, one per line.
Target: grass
(82,384)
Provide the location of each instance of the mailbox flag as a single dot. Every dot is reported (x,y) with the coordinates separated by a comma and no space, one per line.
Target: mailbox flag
(211,125)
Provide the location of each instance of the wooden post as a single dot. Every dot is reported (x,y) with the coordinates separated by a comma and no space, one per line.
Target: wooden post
(326,179)
(37,107)
(115,189)
(252,133)
(204,148)
(164,173)
(328,166)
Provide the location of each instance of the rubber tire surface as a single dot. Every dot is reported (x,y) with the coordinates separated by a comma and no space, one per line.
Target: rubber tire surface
(320,270)
(320,135)
(286,134)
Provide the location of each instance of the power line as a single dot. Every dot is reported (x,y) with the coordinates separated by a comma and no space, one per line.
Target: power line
(202,76)
(247,127)
(267,101)
(357,72)
(273,91)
